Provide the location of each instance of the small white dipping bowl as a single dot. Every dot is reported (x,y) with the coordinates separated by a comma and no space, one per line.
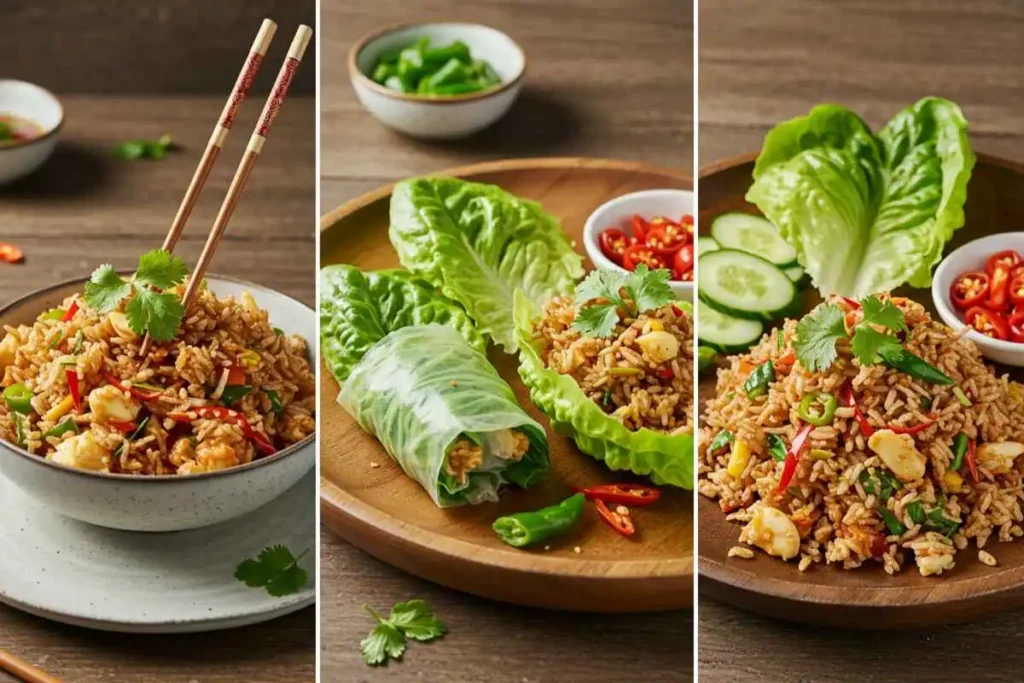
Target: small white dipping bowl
(618,212)
(435,117)
(39,106)
(170,502)
(972,256)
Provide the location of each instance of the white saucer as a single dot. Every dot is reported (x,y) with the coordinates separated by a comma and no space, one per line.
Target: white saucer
(62,569)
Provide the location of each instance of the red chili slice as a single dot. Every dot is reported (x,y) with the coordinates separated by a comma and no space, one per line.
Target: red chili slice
(74,389)
(989,323)
(664,373)
(666,240)
(972,462)
(619,520)
(126,427)
(640,227)
(1015,325)
(793,455)
(677,310)
(70,313)
(1008,259)
(848,400)
(137,393)
(1016,290)
(10,253)
(233,416)
(682,262)
(855,305)
(969,289)
(641,253)
(999,289)
(236,375)
(614,243)
(910,430)
(636,495)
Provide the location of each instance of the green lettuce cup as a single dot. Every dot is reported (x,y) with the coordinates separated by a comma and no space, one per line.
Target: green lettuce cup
(665,458)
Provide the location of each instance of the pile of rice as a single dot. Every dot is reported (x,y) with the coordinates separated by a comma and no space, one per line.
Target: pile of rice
(836,519)
(192,371)
(656,348)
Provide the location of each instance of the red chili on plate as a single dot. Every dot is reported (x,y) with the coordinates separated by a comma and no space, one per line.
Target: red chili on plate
(999,288)
(614,243)
(682,263)
(970,289)
(641,253)
(618,519)
(989,323)
(640,227)
(10,253)
(636,495)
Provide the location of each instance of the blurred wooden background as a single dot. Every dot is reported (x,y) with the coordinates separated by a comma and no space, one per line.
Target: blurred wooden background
(761,63)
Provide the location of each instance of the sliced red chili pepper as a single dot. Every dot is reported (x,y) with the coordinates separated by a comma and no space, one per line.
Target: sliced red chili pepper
(137,393)
(74,389)
(1016,290)
(641,253)
(636,495)
(614,243)
(236,375)
(788,359)
(235,417)
(125,427)
(969,289)
(793,455)
(666,240)
(687,276)
(920,427)
(989,323)
(664,373)
(620,521)
(848,400)
(855,305)
(70,313)
(1015,326)
(677,310)
(179,417)
(10,253)
(999,289)
(1007,259)
(972,462)
(640,227)
(682,262)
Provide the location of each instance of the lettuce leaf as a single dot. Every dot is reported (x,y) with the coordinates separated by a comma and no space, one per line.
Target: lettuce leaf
(359,309)
(480,244)
(866,212)
(667,459)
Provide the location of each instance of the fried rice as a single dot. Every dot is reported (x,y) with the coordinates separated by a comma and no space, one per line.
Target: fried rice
(642,374)
(834,510)
(164,413)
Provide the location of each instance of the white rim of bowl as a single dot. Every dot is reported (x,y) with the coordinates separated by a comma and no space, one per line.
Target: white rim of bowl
(361,44)
(163,478)
(45,136)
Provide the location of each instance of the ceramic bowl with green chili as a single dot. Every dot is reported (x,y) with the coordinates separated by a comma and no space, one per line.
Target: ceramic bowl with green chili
(438,80)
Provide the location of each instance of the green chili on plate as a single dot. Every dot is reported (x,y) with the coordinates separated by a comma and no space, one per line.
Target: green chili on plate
(524,528)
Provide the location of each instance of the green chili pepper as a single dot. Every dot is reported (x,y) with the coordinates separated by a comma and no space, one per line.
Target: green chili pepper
(818,409)
(18,398)
(959,450)
(234,393)
(68,425)
(721,440)
(705,358)
(961,397)
(896,527)
(777,447)
(898,358)
(524,528)
(759,380)
(446,70)
(52,314)
(275,401)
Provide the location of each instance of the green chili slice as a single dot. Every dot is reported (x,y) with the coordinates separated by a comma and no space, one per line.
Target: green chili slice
(721,440)
(68,425)
(818,409)
(18,398)
(52,314)
(234,393)
(524,528)
(275,400)
(759,380)
(959,450)
(777,447)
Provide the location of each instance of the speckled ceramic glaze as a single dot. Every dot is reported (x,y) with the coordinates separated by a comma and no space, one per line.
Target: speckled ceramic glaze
(41,108)
(59,568)
(166,503)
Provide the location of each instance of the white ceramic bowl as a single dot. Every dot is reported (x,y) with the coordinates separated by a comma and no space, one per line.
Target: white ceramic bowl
(972,256)
(38,105)
(162,503)
(618,212)
(438,118)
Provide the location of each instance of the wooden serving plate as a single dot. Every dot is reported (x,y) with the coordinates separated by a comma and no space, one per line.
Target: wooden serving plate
(388,515)
(865,598)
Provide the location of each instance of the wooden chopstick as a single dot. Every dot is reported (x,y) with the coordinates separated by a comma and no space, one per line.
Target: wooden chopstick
(252,153)
(220,132)
(23,670)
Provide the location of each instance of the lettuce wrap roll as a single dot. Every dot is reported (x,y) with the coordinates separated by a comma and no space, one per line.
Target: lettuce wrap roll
(444,415)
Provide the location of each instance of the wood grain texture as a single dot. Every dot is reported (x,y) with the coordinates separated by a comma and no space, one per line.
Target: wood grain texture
(589,91)
(86,207)
(759,66)
(131,47)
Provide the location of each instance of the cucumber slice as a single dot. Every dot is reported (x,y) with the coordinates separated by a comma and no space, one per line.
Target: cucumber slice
(754,235)
(744,285)
(706,244)
(725,333)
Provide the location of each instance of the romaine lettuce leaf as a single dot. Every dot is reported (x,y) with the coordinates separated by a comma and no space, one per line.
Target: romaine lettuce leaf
(480,244)
(866,212)
(359,309)
(667,459)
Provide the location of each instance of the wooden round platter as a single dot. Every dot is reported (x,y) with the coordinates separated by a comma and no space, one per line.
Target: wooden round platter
(367,499)
(865,598)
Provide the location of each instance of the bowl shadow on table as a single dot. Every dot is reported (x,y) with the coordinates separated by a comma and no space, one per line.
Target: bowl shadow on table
(72,171)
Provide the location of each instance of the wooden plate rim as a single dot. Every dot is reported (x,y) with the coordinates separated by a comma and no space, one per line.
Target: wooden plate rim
(1005,580)
(339,501)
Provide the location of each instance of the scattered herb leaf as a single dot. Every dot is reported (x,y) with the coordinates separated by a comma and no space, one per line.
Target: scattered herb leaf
(882,484)
(274,569)
(144,149)
(915,509)
(236,392)
(603,292)
(777,447)
(413,619)
(896,527)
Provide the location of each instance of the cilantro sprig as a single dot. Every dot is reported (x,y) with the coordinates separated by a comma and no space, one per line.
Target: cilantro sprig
(274,569)
(603,292)
(413,619)
(150,310)
(144,149)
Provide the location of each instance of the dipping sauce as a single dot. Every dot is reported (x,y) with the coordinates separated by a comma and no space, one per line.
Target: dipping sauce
(15,130)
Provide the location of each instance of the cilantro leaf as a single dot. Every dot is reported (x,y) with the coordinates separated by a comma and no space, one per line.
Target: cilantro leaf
(869,344)
(274,569)
(161,269)
(644,290)
(105,289)
(384,642)
(596,321)
(159,313)
(885,313)
(649,290)
(600,284)
(415,620)
(816,337)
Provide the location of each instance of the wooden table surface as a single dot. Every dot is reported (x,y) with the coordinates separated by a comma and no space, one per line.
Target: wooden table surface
(604,80)
(759,66)
(86,208)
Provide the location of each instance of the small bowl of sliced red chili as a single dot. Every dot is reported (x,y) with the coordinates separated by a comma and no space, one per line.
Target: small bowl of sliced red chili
(652,227)
(980,286)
